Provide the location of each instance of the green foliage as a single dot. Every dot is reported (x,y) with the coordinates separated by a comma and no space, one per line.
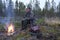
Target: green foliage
(1,5)
(1,9)
(16,4)
(21,6)
(37,5)
(46,5)
(17,25)
(19,9)
(40,21)
(1,27)
(58,8)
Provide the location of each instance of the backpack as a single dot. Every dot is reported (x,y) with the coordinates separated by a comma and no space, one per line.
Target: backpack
(34,28)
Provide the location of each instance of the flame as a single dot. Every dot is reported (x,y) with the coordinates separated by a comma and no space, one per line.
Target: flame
(10,29)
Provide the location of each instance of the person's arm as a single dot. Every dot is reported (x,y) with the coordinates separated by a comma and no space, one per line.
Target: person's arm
(24,15)
(32,15)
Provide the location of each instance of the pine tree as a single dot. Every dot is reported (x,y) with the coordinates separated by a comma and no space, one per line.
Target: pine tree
(54,5)
(58,9)
(30,4)
(46,5)
(4,9)
(16,4)
(37,7)
(49,6)
(1,8)
(46,8)
(16,8)
(21,9)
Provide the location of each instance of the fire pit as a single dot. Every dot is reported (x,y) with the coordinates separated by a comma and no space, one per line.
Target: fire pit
(10,33)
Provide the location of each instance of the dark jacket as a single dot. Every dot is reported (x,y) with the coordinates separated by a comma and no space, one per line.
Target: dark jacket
(29,15)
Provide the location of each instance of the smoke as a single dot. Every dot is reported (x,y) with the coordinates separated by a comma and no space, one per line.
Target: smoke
(9,13)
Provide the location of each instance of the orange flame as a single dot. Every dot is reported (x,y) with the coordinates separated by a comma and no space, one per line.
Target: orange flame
(10,29)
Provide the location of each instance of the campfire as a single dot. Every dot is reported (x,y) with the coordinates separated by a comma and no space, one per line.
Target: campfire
(10,29)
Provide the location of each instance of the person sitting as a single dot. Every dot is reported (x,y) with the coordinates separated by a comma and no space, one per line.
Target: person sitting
(28,18)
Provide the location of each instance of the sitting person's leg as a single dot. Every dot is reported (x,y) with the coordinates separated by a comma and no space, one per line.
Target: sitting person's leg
(31,21)
(24,24)
(28,23)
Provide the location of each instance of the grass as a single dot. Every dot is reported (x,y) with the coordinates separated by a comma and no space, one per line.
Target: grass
(22,35)
(1,27)
(17,25)
(41,20)
(26,35)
